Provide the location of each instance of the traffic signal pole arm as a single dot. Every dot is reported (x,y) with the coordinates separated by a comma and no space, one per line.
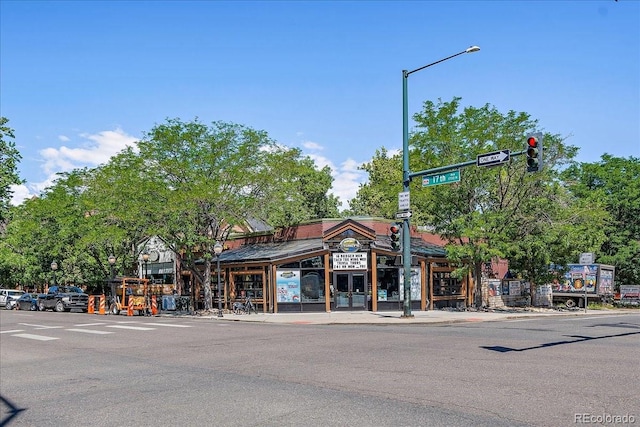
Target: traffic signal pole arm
(454,167)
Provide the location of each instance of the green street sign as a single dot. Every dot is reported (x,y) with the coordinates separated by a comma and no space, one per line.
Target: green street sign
(441,178)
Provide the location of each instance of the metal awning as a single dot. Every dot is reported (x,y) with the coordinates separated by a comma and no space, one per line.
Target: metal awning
(270,252)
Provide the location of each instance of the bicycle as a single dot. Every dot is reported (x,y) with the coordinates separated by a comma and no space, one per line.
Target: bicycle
(244,308)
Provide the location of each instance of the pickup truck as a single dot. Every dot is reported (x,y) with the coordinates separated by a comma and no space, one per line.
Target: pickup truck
(8,297)
(63,298)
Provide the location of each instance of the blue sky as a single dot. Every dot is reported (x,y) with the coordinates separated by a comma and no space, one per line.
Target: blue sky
(81,80)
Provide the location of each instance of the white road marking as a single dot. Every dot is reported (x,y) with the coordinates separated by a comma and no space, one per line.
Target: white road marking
(11,332)
(35,337)
(41,326)
(601,316)
(168,324)
(135,328)
(92,324)
(90,331)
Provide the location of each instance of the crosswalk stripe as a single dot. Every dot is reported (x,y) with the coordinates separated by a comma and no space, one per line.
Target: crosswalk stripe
(90,331)
(135,328)
(92,324)
(41,326)
(168,324)
(35,337)
(11,332)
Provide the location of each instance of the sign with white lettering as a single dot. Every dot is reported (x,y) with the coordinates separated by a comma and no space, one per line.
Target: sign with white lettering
(403,201)
(493,159)
(350,261)
(586,258)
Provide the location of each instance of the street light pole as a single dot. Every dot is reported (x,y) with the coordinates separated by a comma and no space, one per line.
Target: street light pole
(145,259)
(406,180)
(54,267)
(112,261)
(217,249)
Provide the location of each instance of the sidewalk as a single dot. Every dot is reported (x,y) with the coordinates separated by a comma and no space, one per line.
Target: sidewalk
(395,317)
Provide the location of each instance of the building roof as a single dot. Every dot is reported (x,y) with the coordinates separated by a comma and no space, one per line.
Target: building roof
(269,252)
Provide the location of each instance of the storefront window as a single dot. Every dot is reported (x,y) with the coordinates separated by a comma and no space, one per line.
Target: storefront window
(248,285)
(388,279)
(444,284)
(312,286)
(315,262)
(301,281)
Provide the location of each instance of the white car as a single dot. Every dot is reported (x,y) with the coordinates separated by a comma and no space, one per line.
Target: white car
(9,298)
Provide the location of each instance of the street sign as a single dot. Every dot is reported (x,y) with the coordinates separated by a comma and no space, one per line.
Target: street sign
(586,258)
(443,178)
(493,159)
(403,215)
(403,201)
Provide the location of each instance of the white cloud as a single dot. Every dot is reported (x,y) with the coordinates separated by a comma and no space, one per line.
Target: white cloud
(310,145)
(94,149)
(20,194)
(346,177)
(97,149)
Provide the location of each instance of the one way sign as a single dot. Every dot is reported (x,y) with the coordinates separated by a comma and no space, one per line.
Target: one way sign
(493,159)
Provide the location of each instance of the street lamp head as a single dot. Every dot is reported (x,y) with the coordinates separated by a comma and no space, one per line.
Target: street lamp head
(472,49)
(112,259)
(54,266)
(217,248)
(145,256)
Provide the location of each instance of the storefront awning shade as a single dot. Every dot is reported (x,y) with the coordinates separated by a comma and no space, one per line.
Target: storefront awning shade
(270,252)
(420,247)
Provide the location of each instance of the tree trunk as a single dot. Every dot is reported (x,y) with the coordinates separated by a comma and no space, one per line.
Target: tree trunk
(207,284)
(477,288)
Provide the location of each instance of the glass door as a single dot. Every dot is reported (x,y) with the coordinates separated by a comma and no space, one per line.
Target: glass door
(350,291)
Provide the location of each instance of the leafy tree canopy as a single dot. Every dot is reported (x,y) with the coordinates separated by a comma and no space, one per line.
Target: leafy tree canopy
(9,159)
(614,183)
(493,212)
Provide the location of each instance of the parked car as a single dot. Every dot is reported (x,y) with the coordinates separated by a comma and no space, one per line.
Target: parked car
(63,298)
(28,301)
(8,297)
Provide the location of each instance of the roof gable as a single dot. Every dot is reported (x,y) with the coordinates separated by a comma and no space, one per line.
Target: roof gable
(349,228)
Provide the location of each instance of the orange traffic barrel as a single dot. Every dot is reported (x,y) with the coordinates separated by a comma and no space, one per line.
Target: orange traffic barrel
(103,303)
(154,305)
(91,308)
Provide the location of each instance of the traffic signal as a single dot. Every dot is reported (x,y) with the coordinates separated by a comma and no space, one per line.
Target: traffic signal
(396,238)
(534,152)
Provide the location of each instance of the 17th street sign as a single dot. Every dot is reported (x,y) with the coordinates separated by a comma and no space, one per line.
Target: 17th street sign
(443,178)
(493,159)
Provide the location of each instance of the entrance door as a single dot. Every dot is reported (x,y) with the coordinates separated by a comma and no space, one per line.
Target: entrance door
(350,291)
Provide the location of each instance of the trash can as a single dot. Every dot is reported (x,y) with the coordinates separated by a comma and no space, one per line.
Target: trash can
(168,302)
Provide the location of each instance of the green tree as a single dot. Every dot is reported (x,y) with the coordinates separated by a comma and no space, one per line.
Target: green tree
(492,212)
(379,196)
(614,183)
(191,184)
(206,179)
(9,159)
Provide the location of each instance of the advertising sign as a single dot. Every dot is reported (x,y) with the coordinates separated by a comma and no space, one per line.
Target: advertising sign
(288,285)
(579,279)
(350,261)
(605,284)
(416,289)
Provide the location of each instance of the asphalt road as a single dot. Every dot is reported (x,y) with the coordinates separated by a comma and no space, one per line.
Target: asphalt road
(74,369)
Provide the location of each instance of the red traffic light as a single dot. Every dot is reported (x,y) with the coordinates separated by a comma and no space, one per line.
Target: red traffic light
(394,229)
(532,141)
